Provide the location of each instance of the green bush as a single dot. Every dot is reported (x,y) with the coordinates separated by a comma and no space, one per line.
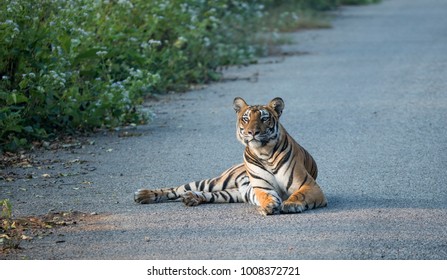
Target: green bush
(358,2)
(75,65)
(69,65)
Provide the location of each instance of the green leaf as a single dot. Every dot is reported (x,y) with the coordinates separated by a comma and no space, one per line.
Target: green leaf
(16,98)
(23,84)
(65,42)
(14,128)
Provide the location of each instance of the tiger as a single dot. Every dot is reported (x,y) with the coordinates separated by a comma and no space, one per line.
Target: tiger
(277,174)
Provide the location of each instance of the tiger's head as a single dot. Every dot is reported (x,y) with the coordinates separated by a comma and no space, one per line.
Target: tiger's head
(257,125)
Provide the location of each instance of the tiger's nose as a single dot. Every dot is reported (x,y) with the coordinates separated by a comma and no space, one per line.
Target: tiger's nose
(253,132)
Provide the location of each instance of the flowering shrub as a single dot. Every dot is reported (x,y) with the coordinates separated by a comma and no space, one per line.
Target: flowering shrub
(69,65)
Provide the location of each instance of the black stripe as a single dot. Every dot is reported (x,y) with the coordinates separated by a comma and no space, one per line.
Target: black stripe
(247,196)
(173,192)
(314,170)
(231,199)
(289,183)
(262,188)
(284,159)
(187,187)
(304,181)
(238,176)
(306,155)
(232,169)
(259,178)
(253,161)
(212,199)
(276,146)
(225,183)
(286,144)
(202,185)
(211,185)
(224,196)
(279,142)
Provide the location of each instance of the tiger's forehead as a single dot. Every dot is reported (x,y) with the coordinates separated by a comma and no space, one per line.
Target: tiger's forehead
(263,112)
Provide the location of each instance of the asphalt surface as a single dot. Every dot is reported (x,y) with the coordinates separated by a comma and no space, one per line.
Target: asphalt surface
(368,99)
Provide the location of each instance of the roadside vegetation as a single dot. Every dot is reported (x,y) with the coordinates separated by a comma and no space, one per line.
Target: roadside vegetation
(78,65)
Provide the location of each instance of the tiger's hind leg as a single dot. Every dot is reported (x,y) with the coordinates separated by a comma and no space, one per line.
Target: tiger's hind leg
(308,196)
(228,180)
(194,198)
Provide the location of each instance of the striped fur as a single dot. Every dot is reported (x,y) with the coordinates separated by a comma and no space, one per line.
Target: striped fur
(278,175)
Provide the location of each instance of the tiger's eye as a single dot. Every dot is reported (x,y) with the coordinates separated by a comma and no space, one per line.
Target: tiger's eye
(265,119)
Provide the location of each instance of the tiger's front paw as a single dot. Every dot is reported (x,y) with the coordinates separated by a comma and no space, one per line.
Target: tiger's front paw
(292,207)
(271,208)
(192,198)
(268,211)
(268,204)
(144,196)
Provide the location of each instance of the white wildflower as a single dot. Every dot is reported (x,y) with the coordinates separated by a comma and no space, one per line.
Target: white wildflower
(75,42)
(101,53)
(163,6)
(136,73)
(184,7)
(125,96)
(82,31)
(117,85)
(125,3)
(206,41)
(154,42)
(295,16)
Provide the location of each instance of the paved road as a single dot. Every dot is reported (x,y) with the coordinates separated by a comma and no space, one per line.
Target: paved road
(369,101)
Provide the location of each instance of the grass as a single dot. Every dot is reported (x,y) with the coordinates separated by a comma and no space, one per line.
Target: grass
(289,18)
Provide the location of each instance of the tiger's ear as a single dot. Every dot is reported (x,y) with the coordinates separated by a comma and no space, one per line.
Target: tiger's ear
(277,104)
(238,104)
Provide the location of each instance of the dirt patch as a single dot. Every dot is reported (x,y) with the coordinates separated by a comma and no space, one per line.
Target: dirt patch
(14,231)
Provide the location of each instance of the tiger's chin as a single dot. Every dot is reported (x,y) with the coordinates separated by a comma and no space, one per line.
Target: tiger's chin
(255,144)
